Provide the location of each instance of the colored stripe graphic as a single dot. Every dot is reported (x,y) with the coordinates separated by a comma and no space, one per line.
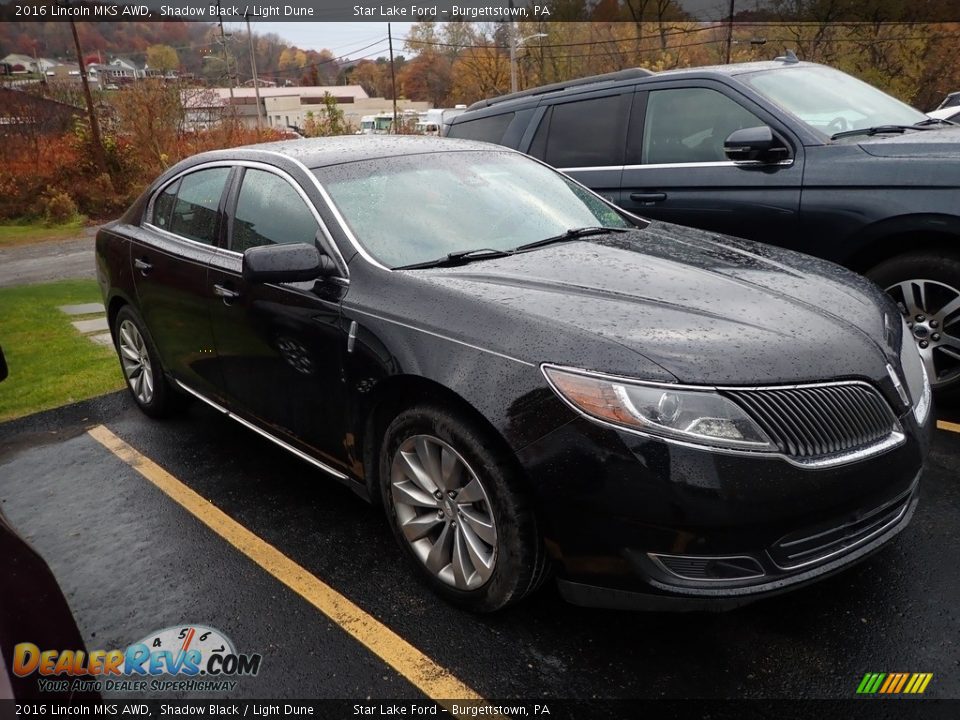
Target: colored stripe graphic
(894,683)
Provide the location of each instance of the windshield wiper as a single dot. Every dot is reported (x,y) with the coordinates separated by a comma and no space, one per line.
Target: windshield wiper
(458,257)
(877,130)
(572,234)
(933,121)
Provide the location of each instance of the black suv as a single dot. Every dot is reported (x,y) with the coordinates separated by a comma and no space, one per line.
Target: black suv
(785,152)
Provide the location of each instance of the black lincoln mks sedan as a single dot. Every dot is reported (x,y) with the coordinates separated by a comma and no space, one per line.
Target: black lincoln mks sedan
(527,378)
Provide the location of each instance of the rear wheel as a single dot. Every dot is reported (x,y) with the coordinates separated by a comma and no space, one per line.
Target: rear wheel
(141,366)
(456,509)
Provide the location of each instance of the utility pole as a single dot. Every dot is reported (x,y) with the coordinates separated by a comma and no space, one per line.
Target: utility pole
(513,50)
(98,154)
(393,80)
(730,31)
(253,70)
(226,57)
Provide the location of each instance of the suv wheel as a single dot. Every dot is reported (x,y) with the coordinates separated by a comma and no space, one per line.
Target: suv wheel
(926,287)
(455,508)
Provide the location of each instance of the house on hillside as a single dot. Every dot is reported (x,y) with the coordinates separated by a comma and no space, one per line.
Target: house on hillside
(27,64)
(120,71)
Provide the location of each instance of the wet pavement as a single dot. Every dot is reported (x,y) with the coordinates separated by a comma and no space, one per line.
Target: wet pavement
(132,561)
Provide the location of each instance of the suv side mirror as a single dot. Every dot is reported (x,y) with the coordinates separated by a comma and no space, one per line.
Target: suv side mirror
(3,366)
(295,262)
(755,145)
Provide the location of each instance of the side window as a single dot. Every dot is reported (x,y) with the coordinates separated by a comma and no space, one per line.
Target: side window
(588,132)
(163,205)
(195,212)
(489,129)
(269,211)
(687,125)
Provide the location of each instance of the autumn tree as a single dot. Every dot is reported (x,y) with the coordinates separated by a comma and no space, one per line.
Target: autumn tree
(429,76)
(328,121)
(163,58)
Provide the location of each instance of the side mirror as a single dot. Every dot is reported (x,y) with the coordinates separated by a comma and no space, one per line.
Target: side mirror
(296,262)
(756,145)
(3,366)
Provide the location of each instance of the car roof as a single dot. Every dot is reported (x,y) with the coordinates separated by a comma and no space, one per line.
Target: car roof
(532,97)
(321,152)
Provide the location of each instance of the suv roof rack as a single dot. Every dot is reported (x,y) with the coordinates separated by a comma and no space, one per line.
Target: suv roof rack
(628,74)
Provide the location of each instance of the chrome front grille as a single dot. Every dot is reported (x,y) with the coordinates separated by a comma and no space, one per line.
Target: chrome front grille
(819,420)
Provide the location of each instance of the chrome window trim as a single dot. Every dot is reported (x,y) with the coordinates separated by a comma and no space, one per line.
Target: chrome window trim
(286,446)
(334,210)
(893,440)
(670,166)
(266,167)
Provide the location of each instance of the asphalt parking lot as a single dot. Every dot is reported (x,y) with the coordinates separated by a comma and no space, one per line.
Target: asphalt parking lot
(131,560)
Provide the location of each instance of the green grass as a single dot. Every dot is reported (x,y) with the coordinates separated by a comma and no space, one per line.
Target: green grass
(28,232)
(51,364)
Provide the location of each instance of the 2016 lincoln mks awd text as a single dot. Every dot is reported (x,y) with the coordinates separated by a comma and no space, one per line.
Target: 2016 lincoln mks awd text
(525,377)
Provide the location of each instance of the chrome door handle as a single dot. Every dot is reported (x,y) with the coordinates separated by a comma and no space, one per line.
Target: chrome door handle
(143,266)
(226,293)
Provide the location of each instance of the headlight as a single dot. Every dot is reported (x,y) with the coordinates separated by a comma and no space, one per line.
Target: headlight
(702,417)
(915,375)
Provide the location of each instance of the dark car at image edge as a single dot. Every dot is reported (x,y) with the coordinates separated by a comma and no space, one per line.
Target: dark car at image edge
(526,377)
(783,152)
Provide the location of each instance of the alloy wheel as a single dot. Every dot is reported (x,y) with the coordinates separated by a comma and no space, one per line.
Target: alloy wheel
(932,311)
(443,512)
(136,362)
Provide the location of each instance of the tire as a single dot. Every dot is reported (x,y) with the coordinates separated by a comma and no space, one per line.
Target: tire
(140,364)
(486,549)
(926,286)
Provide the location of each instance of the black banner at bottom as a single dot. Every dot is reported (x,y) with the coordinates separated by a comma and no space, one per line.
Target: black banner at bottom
(852,709)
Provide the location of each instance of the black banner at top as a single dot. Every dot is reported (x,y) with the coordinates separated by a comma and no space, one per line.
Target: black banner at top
(706,11)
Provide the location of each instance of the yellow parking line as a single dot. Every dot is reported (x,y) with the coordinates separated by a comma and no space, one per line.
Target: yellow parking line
(435,681)
(944,425)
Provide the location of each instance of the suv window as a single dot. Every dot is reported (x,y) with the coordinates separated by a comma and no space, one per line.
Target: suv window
(269,211)
(195,212)
(489,129)
(584,133)
(686,125)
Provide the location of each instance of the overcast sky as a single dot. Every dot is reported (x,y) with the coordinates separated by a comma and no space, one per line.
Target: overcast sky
(354,40)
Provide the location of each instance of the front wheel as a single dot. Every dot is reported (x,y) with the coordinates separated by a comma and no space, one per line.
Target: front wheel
(926,287)
(457,510)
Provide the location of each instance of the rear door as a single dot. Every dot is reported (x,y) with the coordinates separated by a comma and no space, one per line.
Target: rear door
(279,346)
(676,169)
(170,256)
(585,138)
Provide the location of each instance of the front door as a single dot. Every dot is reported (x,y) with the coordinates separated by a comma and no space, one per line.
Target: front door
(676,169)
(279,346)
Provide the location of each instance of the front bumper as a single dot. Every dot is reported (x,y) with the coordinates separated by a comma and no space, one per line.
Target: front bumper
(634,522)
(680,595)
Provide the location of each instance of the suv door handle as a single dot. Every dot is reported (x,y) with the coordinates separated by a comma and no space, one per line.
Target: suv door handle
(226,293)
(648,197)
(143,266)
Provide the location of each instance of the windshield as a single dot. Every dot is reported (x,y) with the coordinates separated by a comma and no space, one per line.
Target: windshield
(831,101)
(415,208)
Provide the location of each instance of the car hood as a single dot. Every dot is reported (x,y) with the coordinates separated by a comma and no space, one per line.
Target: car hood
(706,308)
(940,143)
